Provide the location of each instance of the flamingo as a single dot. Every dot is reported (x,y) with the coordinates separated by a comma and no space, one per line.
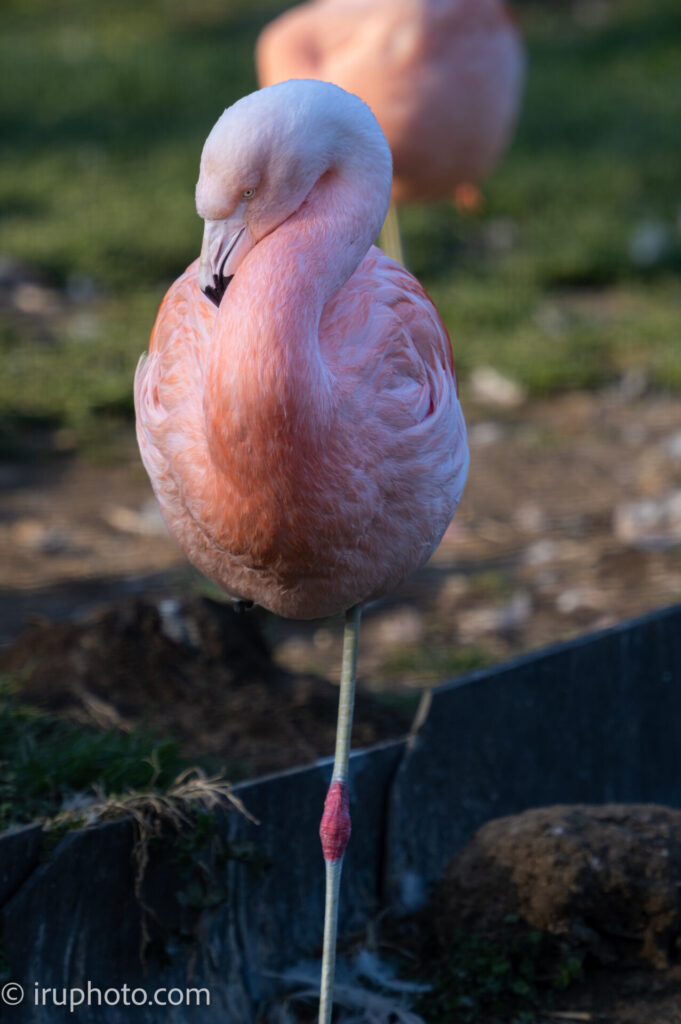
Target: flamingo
(302,429)
(443,77)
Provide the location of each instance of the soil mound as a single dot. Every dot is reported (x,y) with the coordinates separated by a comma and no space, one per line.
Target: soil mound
(606,880)
(592,888)
(193,669)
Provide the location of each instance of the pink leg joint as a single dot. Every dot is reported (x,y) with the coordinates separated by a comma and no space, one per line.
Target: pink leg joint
(335,827)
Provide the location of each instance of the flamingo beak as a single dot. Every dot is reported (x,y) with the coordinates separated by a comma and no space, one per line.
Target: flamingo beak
(225,243)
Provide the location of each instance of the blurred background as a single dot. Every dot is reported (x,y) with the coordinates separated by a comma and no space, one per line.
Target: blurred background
(562,295)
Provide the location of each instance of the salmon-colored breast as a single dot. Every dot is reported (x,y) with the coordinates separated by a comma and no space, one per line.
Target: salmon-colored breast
(443,77)
(306,517)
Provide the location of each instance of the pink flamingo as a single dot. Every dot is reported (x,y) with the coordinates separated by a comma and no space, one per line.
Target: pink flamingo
(302,431)
(443,77)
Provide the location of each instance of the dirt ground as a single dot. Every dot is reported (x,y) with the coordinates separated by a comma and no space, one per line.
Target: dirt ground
(570,522)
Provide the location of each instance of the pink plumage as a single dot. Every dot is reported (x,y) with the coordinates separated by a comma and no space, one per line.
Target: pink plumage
(305,439)
(443,77)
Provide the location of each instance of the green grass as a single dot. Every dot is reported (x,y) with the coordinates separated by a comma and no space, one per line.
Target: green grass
(511,977)
(434,662)
(45,760)
(103,113)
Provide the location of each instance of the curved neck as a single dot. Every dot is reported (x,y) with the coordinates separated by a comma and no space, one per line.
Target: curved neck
(265,367)
(334,228)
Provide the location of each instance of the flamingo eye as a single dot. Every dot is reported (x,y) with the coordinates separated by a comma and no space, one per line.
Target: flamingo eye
(248,193)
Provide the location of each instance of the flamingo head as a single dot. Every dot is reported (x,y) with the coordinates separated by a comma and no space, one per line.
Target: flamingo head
(262,159)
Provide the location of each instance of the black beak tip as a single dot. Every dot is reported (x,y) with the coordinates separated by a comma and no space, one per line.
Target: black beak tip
(216,291)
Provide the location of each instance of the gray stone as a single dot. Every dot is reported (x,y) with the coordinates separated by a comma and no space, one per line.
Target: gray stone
(650,524)
(490,387)
(648,243)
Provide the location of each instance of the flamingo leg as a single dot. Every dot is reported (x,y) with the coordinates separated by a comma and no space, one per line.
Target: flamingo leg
(390,239)
(334,830)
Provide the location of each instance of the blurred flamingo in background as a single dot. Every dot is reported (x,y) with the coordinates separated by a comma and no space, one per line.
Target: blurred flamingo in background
(302,430)
(443,77)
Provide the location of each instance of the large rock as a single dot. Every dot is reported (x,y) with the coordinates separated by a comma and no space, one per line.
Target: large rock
(604,879)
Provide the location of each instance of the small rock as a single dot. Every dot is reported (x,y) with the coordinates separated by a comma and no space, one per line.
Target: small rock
(634,435)
(551,319)
(175,625)
(499,235)
(505,618)
(85,326)
(575,599)
(545,581)
(35,299)
(671,446)
(455,586)
(13,272)
(530,518)
(81,288)
(516,613)
(295,654)
(473,622)
(648,243)
(35,535)
(629,386)
(569,600)
(655,523)
(482,434)
(323,639)
(404,626)
(451,595)
(541,552)
(145,522)
(490,387)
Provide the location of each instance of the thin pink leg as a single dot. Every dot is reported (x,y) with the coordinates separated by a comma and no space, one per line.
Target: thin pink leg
(335,827)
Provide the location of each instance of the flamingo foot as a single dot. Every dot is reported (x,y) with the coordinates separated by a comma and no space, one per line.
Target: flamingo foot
(468,198)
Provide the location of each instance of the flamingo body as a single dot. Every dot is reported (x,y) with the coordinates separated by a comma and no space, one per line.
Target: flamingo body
(302,510)
(304,440)
(443,77)
(302,430)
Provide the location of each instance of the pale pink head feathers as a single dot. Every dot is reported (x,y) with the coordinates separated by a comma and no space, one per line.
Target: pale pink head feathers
(275,144)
